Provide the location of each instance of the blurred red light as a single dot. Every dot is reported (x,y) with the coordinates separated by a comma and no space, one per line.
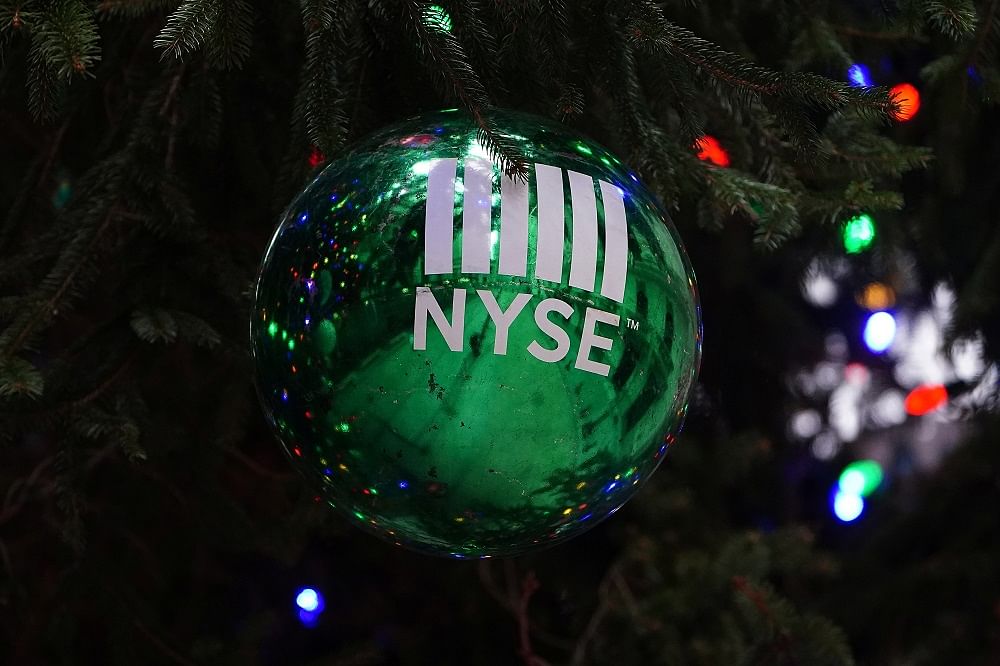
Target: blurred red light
(711,150)
(909,101)
(925,399)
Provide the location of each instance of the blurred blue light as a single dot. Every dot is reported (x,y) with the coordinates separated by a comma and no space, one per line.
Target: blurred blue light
(847,506)
(309,600)
(403,485)
(880,331)
(858,75)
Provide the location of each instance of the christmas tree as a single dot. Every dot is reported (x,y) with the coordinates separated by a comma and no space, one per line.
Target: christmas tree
(831,169)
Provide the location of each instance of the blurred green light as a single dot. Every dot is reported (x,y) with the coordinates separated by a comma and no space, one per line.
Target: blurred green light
(859,232)
(861,477)
(583,148)
(272,329)
(436,17)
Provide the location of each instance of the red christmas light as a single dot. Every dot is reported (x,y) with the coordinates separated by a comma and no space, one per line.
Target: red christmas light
(316,157)
(909,101)
(711,150)
(925,399)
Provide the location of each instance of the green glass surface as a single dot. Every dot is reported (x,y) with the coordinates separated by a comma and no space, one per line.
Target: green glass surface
(467,453)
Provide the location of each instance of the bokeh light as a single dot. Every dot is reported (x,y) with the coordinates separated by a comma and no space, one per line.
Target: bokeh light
(710,150)
(880,331)
(909,101)
(858,75)
(847,507)
(859,232)
(308,599)
(877,296)
(861,477)
(925,399)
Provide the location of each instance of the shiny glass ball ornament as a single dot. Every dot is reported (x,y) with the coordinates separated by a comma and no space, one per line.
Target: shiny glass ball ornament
(468,364)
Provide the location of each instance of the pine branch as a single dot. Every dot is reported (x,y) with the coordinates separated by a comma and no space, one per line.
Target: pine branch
(320,93)
(787,94)
(66,38)
(450,66)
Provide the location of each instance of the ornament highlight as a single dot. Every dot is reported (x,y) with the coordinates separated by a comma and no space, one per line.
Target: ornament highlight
(469,364)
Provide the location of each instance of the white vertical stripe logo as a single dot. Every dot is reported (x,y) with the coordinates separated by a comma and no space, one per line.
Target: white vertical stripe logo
(477,238)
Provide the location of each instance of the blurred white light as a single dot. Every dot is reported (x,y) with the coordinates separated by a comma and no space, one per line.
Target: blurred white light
(880,330)
(845,411)
(889,408)
(847,506)
(828,375)
(805,423)
(826,446)
(818,286)
(836,346)
(967,358)
(918,349)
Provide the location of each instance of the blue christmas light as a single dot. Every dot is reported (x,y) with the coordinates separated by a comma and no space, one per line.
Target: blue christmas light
(880,331)
(308,599)
(847,507)
(858,75)
(311,605)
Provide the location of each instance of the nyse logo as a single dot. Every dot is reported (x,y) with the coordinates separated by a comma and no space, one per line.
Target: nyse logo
(476,249)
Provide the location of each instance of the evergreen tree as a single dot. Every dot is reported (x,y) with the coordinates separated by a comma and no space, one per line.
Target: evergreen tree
(149,147)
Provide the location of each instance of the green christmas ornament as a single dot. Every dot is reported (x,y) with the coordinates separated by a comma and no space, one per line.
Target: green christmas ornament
(468,364)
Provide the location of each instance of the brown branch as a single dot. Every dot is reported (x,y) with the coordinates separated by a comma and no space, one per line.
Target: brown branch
(782,642)
(529,586)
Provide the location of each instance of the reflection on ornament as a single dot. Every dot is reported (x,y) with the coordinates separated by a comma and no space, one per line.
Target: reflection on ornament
(858,75)
(925,399)
(470,364)
(847,507)
(861,477)
(877,296)
(908,98)
(859,232)
(880,331)
(710,150)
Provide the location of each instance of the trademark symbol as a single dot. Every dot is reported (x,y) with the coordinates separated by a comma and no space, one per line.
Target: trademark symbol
(633,325)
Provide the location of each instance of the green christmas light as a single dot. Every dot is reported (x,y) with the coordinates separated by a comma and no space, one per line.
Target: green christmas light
(861,477)
(859,232)
(436,17)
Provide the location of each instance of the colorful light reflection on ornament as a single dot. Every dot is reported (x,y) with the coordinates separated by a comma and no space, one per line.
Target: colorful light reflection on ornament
(925,399)
(311,605)
(909,101)
(847,507)
(858,75)
(710,150)
(859,232)
(880,331)
(861,477)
